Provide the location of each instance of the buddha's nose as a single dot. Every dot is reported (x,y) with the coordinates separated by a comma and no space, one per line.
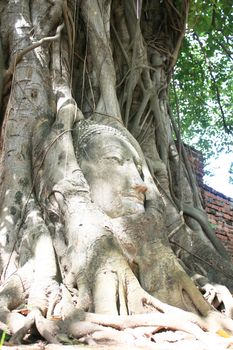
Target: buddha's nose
(140,188)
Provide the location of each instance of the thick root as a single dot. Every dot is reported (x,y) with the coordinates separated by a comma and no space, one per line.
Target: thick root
(220,297)
(46,328)
(119,304)
(135,330)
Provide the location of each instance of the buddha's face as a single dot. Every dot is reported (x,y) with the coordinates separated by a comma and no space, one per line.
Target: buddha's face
(112,168)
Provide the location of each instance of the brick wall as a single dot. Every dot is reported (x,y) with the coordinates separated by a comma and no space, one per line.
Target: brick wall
(219,207)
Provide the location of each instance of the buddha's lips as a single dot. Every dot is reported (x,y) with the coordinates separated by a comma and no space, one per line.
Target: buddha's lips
(137,196)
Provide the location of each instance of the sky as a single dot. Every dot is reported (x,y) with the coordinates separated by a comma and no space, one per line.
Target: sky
(220,168)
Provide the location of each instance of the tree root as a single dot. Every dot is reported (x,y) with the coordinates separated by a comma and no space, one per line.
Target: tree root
(35,318)
(94,328)
(220,297)
(125,296)
(20,334)
(131,330)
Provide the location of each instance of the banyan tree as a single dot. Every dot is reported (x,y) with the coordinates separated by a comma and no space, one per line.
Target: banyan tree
(101,225)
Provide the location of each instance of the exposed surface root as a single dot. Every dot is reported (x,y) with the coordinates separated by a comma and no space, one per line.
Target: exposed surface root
(123,312)
(220,297)
(17,338)
(170,325)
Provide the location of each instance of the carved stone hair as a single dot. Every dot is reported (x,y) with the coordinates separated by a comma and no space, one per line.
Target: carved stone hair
(85,130)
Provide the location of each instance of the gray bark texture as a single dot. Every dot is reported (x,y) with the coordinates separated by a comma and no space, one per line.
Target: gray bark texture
(101,223)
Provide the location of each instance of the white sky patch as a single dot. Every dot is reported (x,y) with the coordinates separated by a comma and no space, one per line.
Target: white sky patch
(219,181)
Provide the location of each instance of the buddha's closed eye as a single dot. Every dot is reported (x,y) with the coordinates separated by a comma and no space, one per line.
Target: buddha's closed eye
(115,159)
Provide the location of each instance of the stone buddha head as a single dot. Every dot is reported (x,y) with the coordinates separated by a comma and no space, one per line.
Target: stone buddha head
(112,168)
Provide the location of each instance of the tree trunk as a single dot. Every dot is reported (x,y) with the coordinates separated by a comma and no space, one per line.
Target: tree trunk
(99,209)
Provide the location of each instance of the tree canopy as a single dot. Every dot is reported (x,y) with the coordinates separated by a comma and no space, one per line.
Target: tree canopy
(203,78)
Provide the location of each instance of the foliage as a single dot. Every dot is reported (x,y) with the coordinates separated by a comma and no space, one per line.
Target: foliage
(3,337)
(231,174)
(203,78)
